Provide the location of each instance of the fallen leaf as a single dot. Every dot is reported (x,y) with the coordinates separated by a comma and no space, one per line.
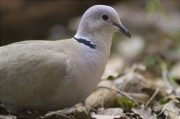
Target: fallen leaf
(102,97)
(145,113)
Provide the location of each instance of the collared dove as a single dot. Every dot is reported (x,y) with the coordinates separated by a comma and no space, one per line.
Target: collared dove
(52,75)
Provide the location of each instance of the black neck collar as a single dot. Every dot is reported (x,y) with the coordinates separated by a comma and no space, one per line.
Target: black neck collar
(85,42)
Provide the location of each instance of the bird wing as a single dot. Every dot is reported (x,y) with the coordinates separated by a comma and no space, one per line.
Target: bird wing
(31,71)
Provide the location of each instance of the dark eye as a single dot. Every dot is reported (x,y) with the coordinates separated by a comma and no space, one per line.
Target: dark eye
(105,17)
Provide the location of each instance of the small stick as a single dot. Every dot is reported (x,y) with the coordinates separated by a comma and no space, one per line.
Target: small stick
(121,92)
(171,84)
(152,97)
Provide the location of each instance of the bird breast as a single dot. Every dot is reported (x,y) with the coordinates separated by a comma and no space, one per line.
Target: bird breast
(84,72)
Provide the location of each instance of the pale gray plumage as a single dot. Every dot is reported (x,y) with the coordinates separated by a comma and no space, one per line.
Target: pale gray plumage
(52,75)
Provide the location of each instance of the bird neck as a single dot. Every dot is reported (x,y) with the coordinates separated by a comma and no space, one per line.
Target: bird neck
(86,42)
(95,40)
(100,41)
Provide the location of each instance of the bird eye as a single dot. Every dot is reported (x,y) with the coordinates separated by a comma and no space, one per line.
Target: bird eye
(105,17)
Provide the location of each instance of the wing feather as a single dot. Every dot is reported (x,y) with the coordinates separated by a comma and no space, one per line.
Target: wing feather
(32,71)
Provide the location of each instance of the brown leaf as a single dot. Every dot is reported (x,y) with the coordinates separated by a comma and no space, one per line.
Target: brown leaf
(102,97)
(110,113)
(145,113)
(173,110)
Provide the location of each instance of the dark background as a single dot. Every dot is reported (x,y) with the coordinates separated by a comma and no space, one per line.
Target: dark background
(153,24)
(33,19)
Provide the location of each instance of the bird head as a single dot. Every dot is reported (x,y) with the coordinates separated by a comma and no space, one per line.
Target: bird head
(102,19)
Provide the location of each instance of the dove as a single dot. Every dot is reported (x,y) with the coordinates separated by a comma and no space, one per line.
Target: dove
(52,75)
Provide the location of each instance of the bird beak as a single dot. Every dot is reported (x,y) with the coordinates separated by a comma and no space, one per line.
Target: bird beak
(123,30)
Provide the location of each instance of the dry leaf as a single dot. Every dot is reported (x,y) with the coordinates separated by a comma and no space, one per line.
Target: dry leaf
(96,116)
(131,82)
(145,113)
(114,65)
(7,117)
(173,111)
(110,113)
(140,97)
(102,97)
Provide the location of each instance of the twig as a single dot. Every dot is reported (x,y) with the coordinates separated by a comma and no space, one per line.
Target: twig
(121,92)
(59,112)
(171,84)
(86,114)
(164,71)
(164,107)
(152,97)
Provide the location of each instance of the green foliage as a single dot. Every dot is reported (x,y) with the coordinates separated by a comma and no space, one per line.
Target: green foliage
(126,103)
(79,115)
(164,100)
(155,5)
(149,60)
(173,77)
